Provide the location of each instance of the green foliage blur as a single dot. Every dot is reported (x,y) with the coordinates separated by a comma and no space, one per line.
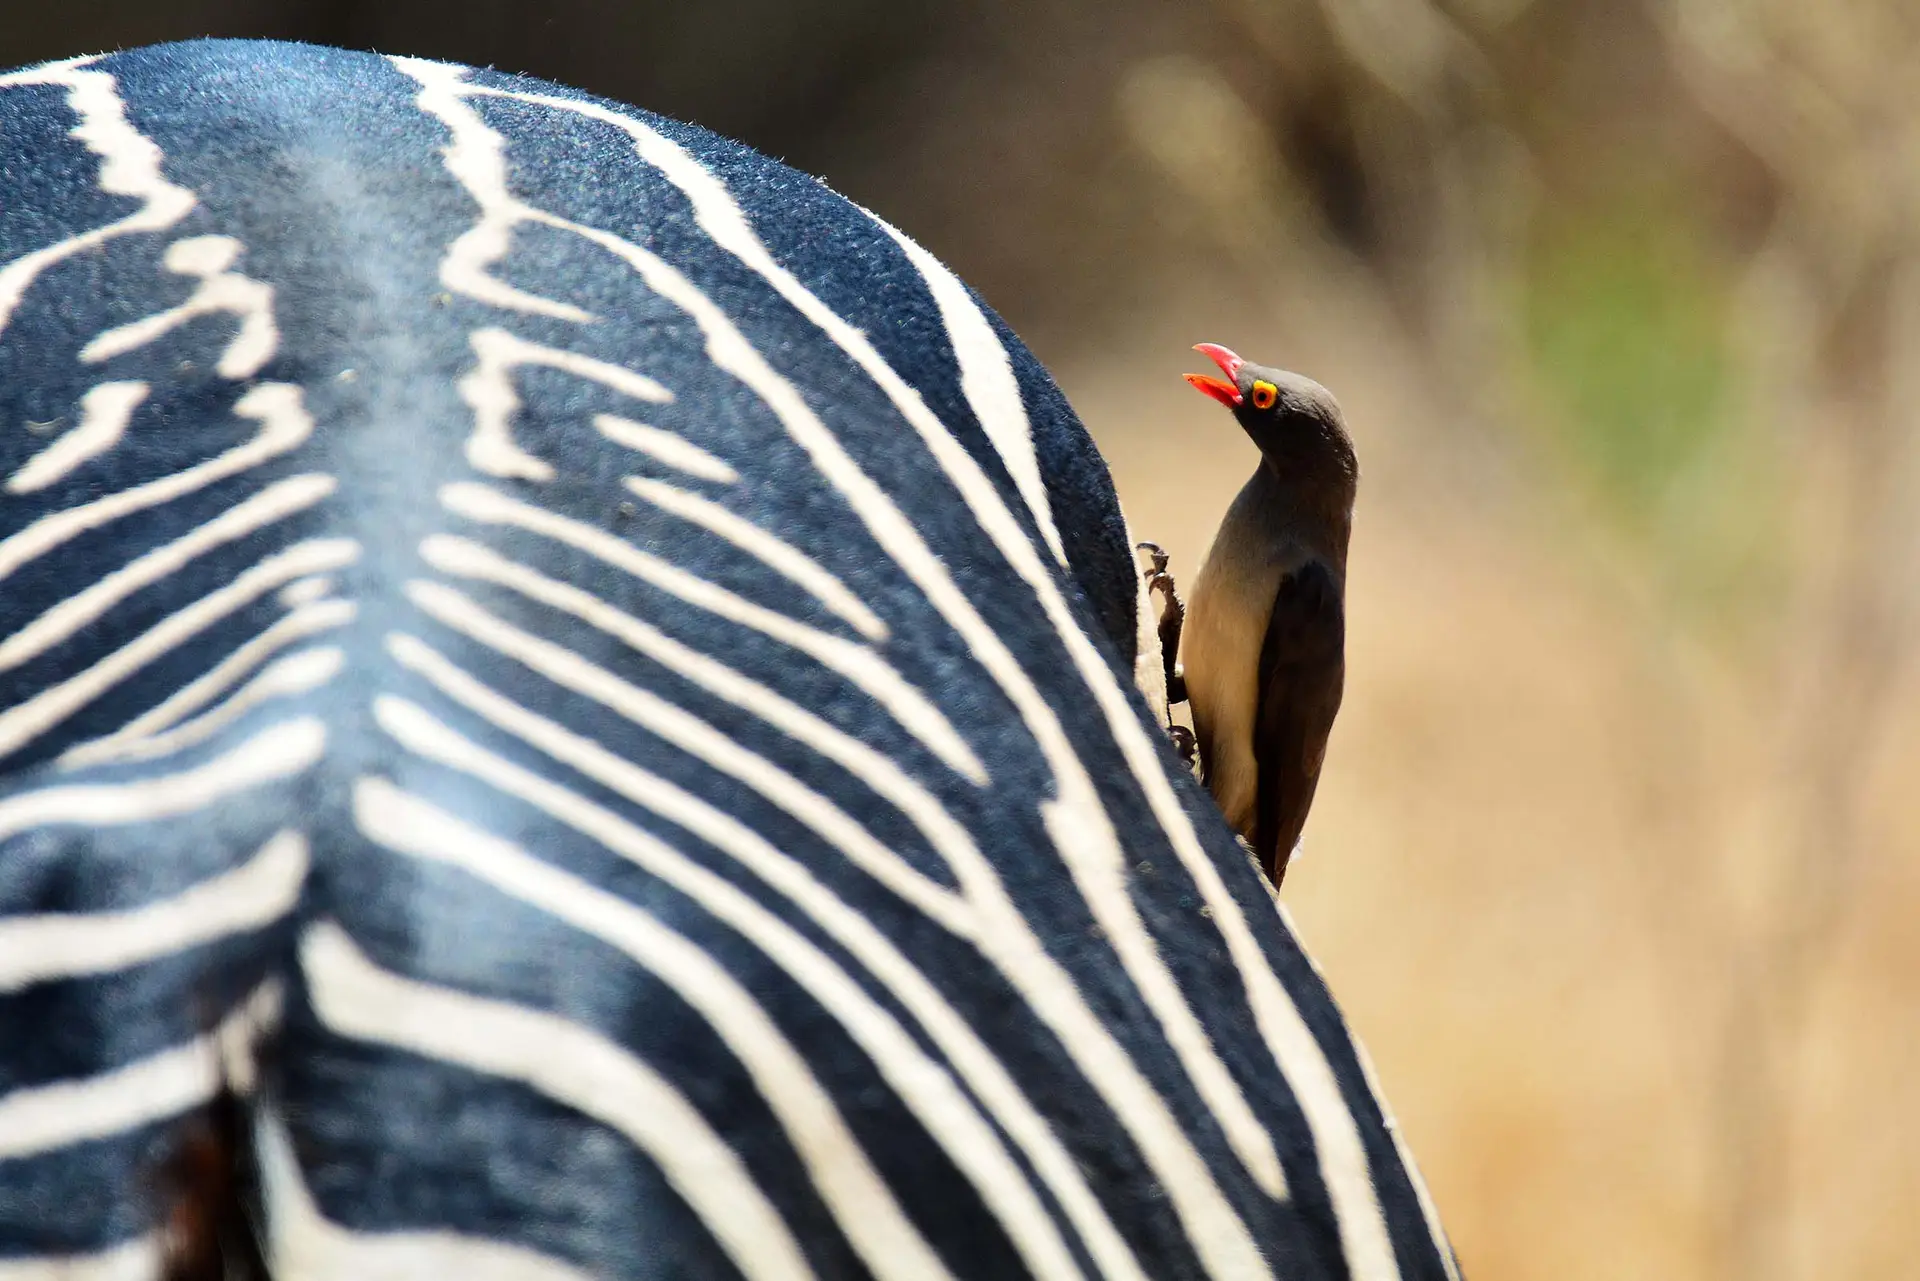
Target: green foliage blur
(1626,314)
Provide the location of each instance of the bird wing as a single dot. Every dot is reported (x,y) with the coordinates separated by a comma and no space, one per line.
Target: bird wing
(1302,673)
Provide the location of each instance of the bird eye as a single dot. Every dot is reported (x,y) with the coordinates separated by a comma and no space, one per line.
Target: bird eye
(1264,394)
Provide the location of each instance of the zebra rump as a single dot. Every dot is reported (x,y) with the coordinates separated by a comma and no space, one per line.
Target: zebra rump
(568,708)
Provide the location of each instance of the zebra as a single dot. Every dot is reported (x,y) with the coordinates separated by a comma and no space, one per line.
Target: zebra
(595,701)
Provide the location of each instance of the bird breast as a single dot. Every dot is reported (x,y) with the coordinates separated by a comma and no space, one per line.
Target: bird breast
(1228,609)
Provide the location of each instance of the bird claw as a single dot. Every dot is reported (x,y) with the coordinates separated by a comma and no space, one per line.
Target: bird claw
(1184,745)
(1157,555)
(1173,617)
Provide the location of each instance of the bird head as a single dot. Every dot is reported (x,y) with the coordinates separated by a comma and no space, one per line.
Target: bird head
(1294,420)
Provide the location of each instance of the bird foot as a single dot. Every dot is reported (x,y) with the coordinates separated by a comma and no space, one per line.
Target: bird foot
(1157,557)
(1173,617)
(1184,745)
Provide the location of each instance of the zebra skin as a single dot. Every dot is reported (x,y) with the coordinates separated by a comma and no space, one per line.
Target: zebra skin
(589,683)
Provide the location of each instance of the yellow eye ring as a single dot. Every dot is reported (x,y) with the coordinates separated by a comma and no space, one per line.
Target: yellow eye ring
(1264,394)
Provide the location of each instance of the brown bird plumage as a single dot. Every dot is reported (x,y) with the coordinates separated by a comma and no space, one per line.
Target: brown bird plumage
(1265,634)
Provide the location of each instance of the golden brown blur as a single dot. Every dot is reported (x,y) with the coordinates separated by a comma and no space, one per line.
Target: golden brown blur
(1616,867)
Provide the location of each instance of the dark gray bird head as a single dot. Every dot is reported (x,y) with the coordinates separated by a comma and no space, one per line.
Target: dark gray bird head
(1294,420)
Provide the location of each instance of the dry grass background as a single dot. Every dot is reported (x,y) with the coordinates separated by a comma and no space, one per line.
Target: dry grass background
(1616,867)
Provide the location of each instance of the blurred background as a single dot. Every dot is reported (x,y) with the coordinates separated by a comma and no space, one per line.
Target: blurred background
(1616,867)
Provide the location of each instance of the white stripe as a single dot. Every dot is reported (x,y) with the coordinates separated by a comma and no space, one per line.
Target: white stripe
(675,725)
(1080,826)
(303,1246)
(298,625)
(306,591)
(1149,660)
(406,823)
(53,704)
(488,391)
(860,664)
(480,165)
(208,258)
(48,73)
(60,945)
(690,734)
(129,166)
(299,673)
(907,705)
(136,1260)
(769,549)
(1348,1153)
(44,1117)
(675,450)
(274,503)
(284,749)
(595,1076)
(1429,1211)
(987,380)
(284,425)
(984,1073)
(104,413)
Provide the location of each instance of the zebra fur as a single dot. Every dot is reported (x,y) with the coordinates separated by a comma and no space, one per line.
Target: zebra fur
(588,681)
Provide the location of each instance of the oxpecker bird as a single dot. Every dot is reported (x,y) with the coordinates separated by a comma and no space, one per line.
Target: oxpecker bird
(1265,631)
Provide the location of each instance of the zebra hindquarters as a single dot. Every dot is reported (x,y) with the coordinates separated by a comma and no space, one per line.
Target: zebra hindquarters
(566,709)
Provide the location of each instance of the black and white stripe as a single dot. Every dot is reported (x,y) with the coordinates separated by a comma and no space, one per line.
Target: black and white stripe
(604,669)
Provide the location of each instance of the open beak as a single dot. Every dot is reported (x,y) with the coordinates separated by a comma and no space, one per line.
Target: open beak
(1225,392)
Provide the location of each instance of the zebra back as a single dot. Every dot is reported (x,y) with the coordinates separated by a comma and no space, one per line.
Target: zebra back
(590,684)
